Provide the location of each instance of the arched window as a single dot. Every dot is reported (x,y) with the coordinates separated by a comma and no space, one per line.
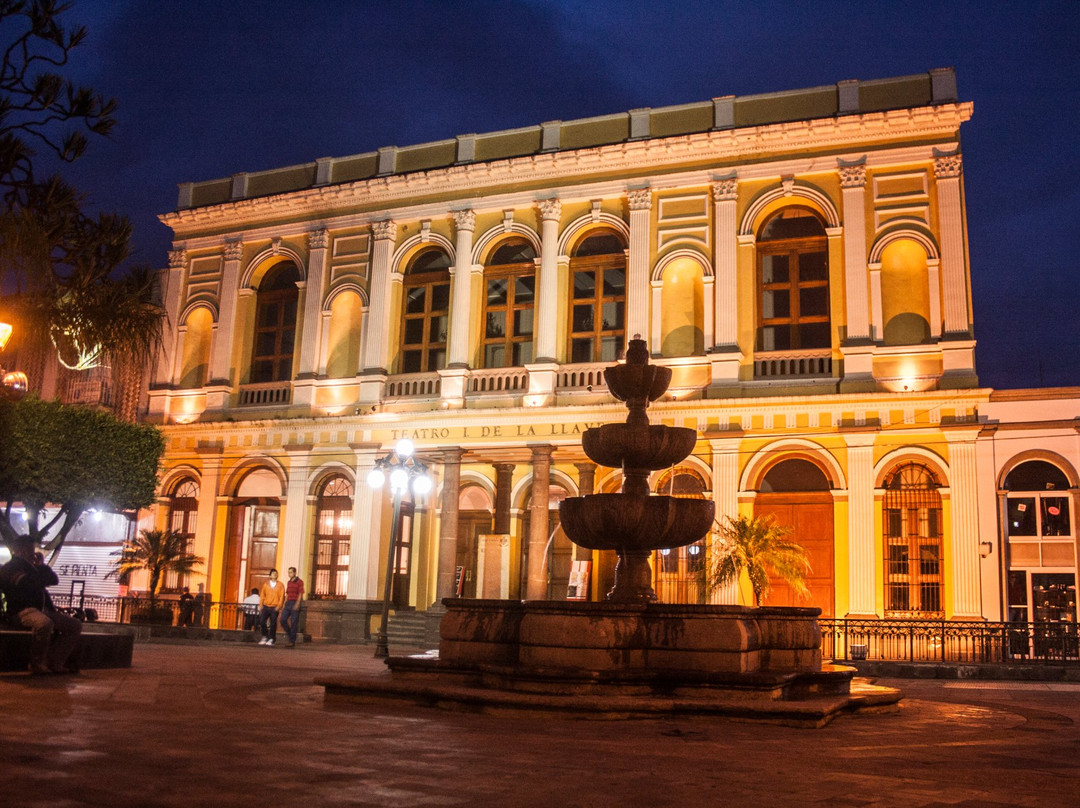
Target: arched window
(183,509)
(905,293)
(333,531)
(1040,535)
(343,339)
(682,309)
(911,522)
(598,298)
(510,292)
(196,356)
(426,296)
(275,324)
(793,282)
(679,572)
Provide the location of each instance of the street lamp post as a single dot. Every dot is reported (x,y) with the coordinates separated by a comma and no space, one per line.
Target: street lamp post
(405,471)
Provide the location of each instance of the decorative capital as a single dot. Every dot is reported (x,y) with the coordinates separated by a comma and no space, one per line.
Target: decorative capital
(947,166)
(725,190)
(234,250)
(853,176)
(177,259)
(639,198)
(550,209)
(464,219)
(386,229)
(317,239)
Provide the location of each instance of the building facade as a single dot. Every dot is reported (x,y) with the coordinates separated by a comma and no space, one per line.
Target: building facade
(799,260)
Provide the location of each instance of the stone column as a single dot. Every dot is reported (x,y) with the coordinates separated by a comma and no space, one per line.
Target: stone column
(861,596)
(296,507)
(366,531)
(504,475)
(853,185)
(458,350)
(221,349)
(536,588)
(947,170)
(310,338)
(725,289)
(637,280)
(448,522)
(205,521)
(586,486)
(377,321)
(964,524)
(725,492)
(547,310)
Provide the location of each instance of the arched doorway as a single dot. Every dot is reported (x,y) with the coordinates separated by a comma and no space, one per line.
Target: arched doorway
(251,549)
(679,572)
(474,520)
(183,509)
(911,522)
(1040,542)
(333,538)
(796,493)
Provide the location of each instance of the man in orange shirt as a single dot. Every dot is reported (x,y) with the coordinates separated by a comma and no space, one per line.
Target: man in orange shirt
(271,598)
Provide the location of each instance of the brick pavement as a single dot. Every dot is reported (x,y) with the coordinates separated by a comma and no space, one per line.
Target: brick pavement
(212,725)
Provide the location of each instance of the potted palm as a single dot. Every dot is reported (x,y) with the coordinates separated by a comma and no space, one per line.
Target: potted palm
(158,552)
(757,545)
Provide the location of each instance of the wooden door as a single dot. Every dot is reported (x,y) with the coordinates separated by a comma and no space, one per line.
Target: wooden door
(471,525)
(810,514)
(234,550)
(262,550)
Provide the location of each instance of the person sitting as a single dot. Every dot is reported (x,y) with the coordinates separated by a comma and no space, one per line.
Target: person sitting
(251,610)
(25,580)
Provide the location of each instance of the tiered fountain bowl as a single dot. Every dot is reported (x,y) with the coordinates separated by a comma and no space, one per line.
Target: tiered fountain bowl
(634,522)
(628,656)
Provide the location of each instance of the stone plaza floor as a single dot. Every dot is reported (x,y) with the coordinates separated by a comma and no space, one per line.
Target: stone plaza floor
(244,725)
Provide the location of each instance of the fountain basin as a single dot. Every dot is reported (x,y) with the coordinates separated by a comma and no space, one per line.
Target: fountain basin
(649,447)
(629,522)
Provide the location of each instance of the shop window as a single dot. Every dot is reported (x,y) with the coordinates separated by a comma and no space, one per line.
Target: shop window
(911,521)
(333,532)
(183,510)
(275,325)
(509,298)
(426,304)
(598,298)
(793,283)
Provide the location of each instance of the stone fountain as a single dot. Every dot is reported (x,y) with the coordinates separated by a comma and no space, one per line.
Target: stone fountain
(629,655)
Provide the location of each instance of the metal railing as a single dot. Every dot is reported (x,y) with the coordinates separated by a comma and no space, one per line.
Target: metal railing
(196,613)
(950,641)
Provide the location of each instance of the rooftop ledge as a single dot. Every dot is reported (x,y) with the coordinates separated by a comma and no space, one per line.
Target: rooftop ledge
(725,115)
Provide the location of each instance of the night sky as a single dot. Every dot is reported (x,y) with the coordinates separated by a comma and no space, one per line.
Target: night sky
(207,88)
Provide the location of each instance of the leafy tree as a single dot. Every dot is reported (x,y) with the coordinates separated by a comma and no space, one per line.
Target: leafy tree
(758,545)
(158,552)
(72,459)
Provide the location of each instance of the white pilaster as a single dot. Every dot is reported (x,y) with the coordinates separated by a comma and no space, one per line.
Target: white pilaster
(377,323)
(725,492)
(853,188)
(655,333)
(860,452)
(951,226)
(933,280)
(205,516)
(171,351)
(725,261)
(637,281)
(296,510)
(877,327)
(461,305)
(964,524)
(547,316)
(221,349)
(366,531)
(310,339)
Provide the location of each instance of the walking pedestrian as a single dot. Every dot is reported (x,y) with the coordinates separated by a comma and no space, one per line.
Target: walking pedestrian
(271,598)
(290,612)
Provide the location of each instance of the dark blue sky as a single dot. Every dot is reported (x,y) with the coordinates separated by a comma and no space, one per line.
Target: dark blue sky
(208,88)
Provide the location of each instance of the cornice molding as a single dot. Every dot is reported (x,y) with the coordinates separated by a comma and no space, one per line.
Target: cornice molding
(779,140)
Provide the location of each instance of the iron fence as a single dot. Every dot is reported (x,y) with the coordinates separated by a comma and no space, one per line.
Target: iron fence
(199,613)
(949,641)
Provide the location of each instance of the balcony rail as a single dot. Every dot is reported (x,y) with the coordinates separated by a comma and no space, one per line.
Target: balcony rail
(792,364)
(266,394)
(588,377)
(498,380)
(413,385)
(950,641)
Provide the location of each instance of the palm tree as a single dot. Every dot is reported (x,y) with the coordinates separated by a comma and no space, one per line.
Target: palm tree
(157,552)
(758,545)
